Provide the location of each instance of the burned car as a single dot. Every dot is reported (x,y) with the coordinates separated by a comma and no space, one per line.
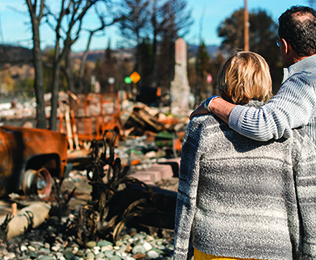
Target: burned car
(29,158)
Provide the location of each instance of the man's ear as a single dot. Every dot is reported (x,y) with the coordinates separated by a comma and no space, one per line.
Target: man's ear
(285,47)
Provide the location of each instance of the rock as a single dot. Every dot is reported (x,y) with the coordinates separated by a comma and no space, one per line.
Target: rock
(46,258)
(122,249)
(149,238)
(23,248)
(9,256)
(139,256)
(104,243)
(75,250)
(138,249)
(126,237)
(59,255)
(114,257)
(77,258)
(32,254)
(89,256)
(152,254)
(44,250)
(119,243)
(91,244)
(56,248)
(108,253)
(132,231)
(69,255)
(25,257)
(99,256)
(96,250)
(37,244)
(105,248)
(80,252)
(31,248)
(147,246)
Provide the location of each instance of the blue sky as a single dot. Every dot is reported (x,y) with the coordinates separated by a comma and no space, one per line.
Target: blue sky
(15,25)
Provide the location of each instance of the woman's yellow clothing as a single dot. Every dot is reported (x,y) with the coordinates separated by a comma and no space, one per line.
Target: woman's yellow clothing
(198,255)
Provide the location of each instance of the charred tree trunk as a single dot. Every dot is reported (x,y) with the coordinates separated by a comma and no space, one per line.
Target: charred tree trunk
(38,64)
(68,73)
(83,62)
(54,98)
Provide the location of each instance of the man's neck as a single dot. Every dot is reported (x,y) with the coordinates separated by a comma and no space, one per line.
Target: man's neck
(297,59)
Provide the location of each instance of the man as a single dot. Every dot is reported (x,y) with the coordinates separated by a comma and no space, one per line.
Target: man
(239,198)
(295,103)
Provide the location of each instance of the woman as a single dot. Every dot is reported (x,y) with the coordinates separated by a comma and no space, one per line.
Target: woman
(239,198)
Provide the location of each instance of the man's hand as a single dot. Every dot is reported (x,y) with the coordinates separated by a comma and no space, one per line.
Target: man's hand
(218,106)
(201,110)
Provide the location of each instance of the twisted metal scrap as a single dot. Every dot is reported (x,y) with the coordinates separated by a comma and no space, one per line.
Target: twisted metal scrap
(4,228)
(103,217)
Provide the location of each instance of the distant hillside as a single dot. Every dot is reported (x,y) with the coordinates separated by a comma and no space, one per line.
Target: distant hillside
(126,53)
(94,55)
(12,54)
(192,49)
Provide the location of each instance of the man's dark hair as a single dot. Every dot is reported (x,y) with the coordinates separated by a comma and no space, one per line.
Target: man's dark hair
(300,35)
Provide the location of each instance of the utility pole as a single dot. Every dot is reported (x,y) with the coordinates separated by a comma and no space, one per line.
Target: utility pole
(246,26)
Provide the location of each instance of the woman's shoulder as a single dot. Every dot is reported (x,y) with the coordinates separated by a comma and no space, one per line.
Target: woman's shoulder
(206,119)
(205,122)
(206,127)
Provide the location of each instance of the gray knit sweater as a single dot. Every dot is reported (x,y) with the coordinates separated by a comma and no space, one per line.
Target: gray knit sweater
(293,106)
(241,198)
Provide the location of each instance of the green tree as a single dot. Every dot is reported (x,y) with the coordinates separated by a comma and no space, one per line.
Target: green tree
(146,59)
(159,21)
(201,67)
(169,20)
(24,85)
(262,37)
(214,65)
(106,69)
(134,27)
(165,64)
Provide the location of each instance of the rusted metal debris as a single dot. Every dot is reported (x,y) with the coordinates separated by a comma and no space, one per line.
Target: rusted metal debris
(140,122)
(38,153)
(109,209)
(30,156)
(88,117)
(116,200)
(92,114)
(24,221)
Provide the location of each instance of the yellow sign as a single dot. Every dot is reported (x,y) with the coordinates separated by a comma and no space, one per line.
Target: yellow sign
(135,77)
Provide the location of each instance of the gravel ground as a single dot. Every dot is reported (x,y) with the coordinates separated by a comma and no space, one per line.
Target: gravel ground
(47,244)
(55,240)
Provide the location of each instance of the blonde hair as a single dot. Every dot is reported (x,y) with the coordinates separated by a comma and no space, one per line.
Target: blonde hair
(243,77)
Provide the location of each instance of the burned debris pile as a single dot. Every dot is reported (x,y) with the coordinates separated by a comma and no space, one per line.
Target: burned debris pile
(116,207)
(127,212)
